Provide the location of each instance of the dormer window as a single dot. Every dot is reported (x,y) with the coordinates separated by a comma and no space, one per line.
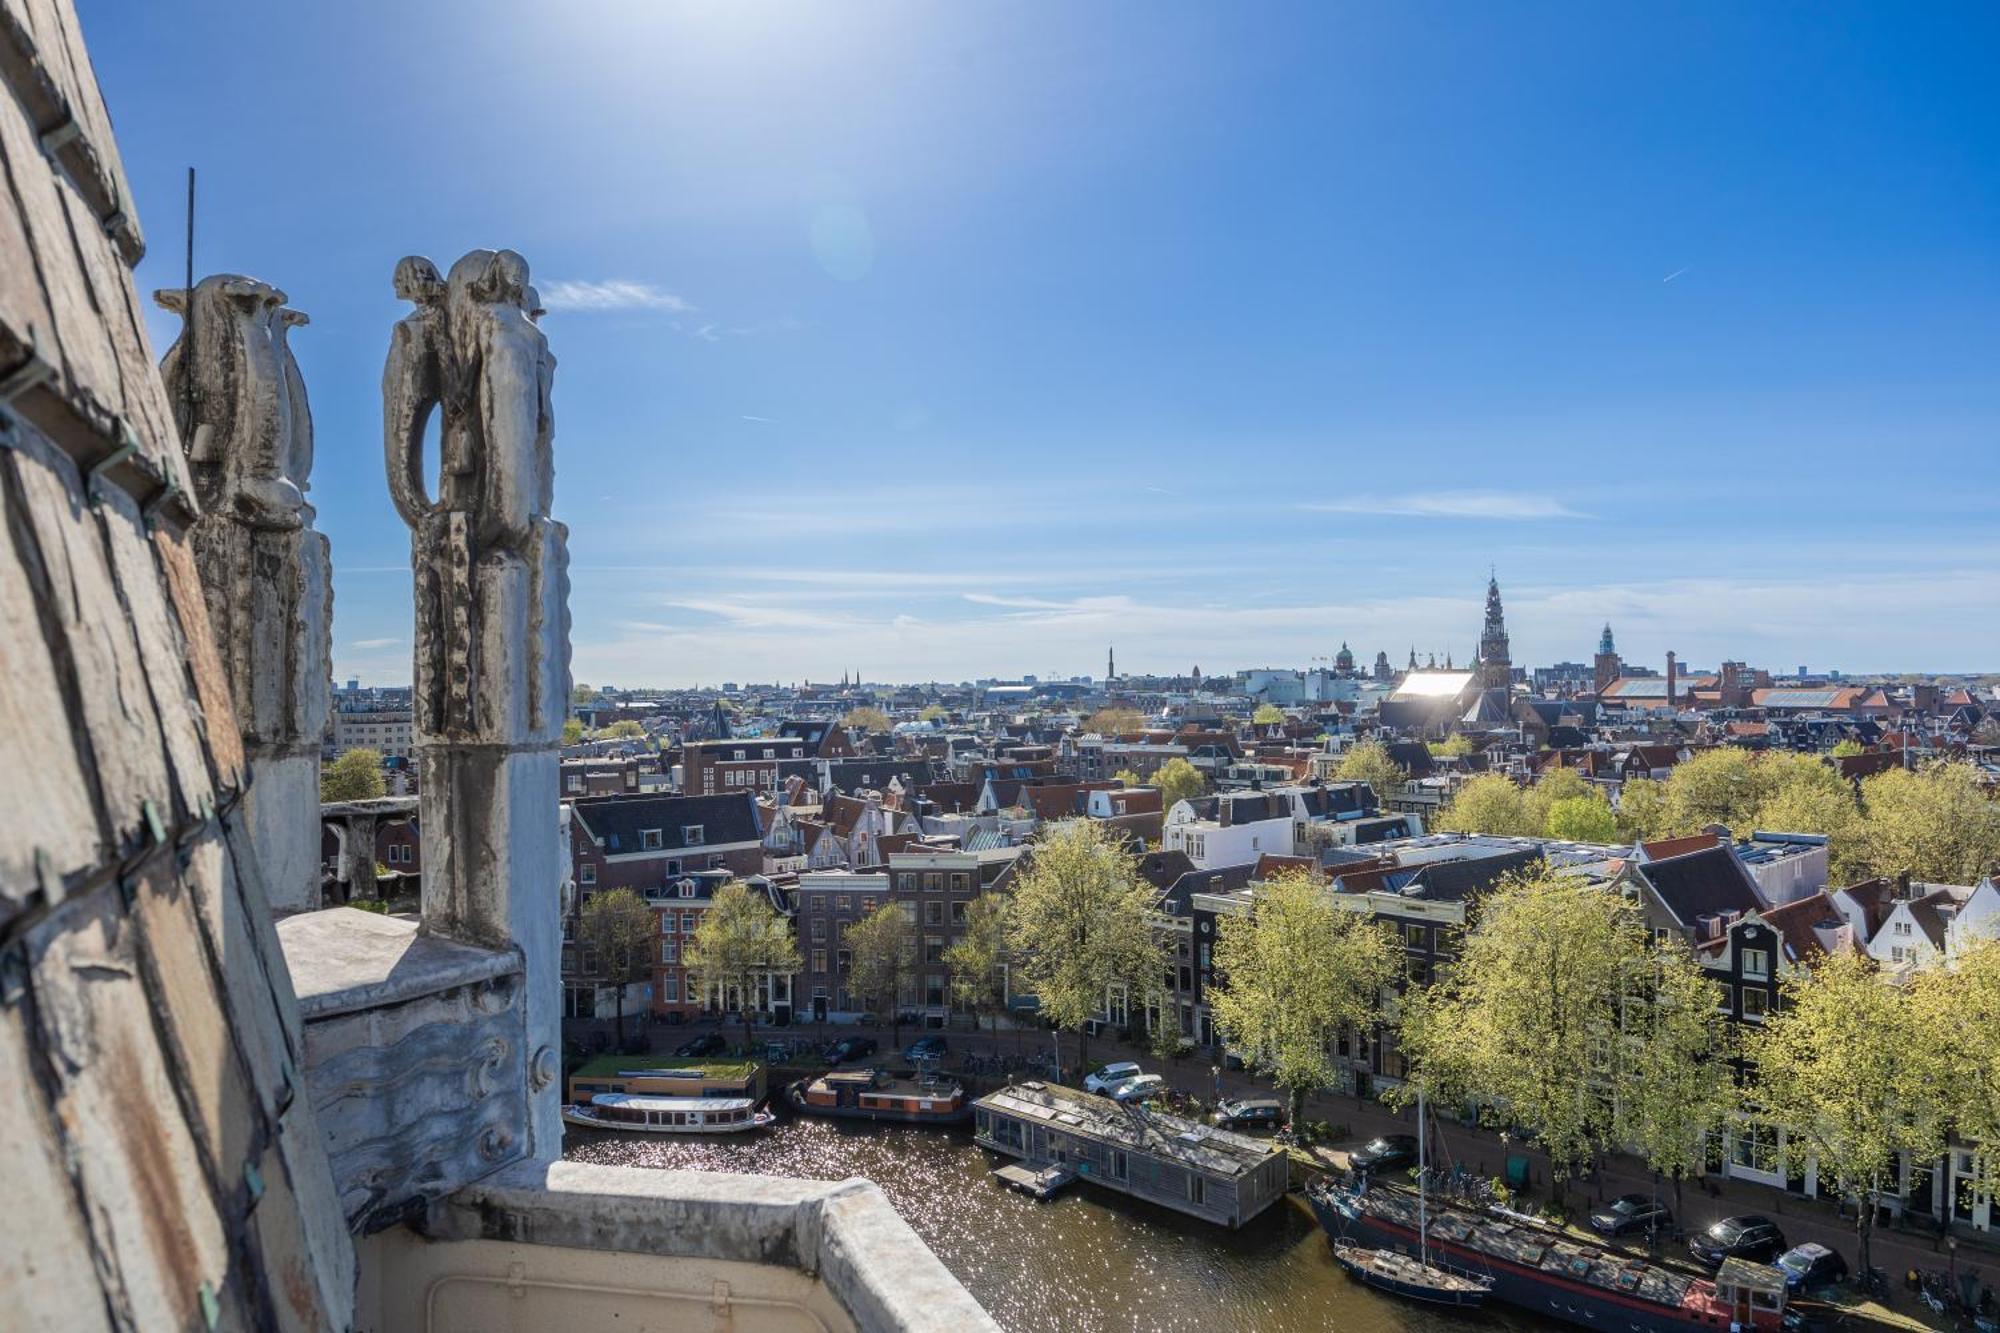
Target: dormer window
(652,839)
(687,888)
(690,835)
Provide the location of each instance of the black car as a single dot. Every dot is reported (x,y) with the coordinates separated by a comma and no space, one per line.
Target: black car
(932,1047)
(1385,1153)
(1811,1265)
(1250,1113)
(708,1043)
(1748,1237)
(849,1048)
(1629,1213)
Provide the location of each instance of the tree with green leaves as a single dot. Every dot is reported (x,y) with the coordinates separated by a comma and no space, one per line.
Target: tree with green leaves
(355,776)
(1455,746)
(1556,784)
(1292,973)
(1678,1089)
(740,940)
(1531,1013)
(882,947)
(1581,819)
(1961,1003)
(621,931)
(1642,810)
(624,729)
(866,718)
(1489,803)
(1936,823)
(1854,1069)
(977,956)
(1846,748)
(934,713)
(1369,762)
(1178,780)
(1083,925)
(572,732)
(1267,715)
(1129,778)
(1715,787)
(1825,808)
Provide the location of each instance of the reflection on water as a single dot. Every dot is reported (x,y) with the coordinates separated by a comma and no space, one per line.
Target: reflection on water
(1089,1260)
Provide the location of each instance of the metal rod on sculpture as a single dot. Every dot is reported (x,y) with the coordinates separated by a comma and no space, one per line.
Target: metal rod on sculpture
(187,382)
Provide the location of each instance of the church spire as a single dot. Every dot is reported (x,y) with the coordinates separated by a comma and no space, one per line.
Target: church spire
(1111,663)
(1496,666)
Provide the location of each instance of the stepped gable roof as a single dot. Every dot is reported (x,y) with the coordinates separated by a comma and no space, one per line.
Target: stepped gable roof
(617,823)
(1709,882)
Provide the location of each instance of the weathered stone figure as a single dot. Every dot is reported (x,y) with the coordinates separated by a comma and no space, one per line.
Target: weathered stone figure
(240,403)
(492,616)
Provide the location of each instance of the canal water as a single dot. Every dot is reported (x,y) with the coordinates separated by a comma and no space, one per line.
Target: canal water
(1085,1262)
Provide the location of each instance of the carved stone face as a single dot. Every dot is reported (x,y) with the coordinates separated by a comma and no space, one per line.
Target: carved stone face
(417,280)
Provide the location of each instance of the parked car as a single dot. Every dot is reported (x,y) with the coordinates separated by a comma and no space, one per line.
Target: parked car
(708,1043)
(1629,1213)
(1101,1081)
(849,1048)
(931,1047)
(1811,1265)
(1249,1113)
(1748,1237)
(1138,1088)
(1385,1153)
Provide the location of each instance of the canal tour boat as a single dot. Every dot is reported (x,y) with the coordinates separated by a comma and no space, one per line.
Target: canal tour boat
(877,1094)
(1414,1277)
(667,1115)
(1537,1268)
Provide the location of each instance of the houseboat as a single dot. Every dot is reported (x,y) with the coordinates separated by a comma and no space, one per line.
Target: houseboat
(877,1094)
(1185,1165)
(1550,1272)
(667,1115)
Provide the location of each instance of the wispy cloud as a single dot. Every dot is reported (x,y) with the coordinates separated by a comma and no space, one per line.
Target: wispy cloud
(364,645)
(1676,273)
(1451,504)
(615,294)
(768,421)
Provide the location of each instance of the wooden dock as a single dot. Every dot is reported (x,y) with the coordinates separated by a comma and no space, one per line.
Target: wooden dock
(1039,1183)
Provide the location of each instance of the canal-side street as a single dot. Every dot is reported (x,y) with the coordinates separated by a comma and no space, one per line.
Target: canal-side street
(1898,1249)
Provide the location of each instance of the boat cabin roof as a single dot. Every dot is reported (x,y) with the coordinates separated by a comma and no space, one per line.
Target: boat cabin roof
(634,1102)
(1132,1127)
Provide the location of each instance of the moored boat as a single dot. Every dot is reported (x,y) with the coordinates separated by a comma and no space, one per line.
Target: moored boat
(1549,1272)
(1403,1275)
(667,1115)
(877,1094)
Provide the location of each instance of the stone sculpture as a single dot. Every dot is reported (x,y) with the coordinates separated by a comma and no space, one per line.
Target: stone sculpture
(491,570)
(240,405)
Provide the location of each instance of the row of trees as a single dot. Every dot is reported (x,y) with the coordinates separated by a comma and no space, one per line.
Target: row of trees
(1935,822)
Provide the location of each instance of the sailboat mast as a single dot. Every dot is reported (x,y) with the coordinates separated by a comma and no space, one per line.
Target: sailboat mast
(1423,1188)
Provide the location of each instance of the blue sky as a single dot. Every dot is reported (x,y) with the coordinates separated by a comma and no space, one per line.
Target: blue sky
(950,340)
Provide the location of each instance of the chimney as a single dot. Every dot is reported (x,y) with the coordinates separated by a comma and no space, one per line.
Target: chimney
(1670,680)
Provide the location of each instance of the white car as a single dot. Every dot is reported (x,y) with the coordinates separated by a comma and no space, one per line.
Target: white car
(1103,1079)
(1137,1088)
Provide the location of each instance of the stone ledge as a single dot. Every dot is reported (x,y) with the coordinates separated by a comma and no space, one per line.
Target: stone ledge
(344,960)
(844,1232)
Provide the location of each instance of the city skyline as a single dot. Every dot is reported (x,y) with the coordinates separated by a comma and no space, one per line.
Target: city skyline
(963,343)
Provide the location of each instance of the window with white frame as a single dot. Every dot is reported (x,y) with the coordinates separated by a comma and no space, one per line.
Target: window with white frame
(587,873)
(691,835)
(1756,963)
(651,839)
